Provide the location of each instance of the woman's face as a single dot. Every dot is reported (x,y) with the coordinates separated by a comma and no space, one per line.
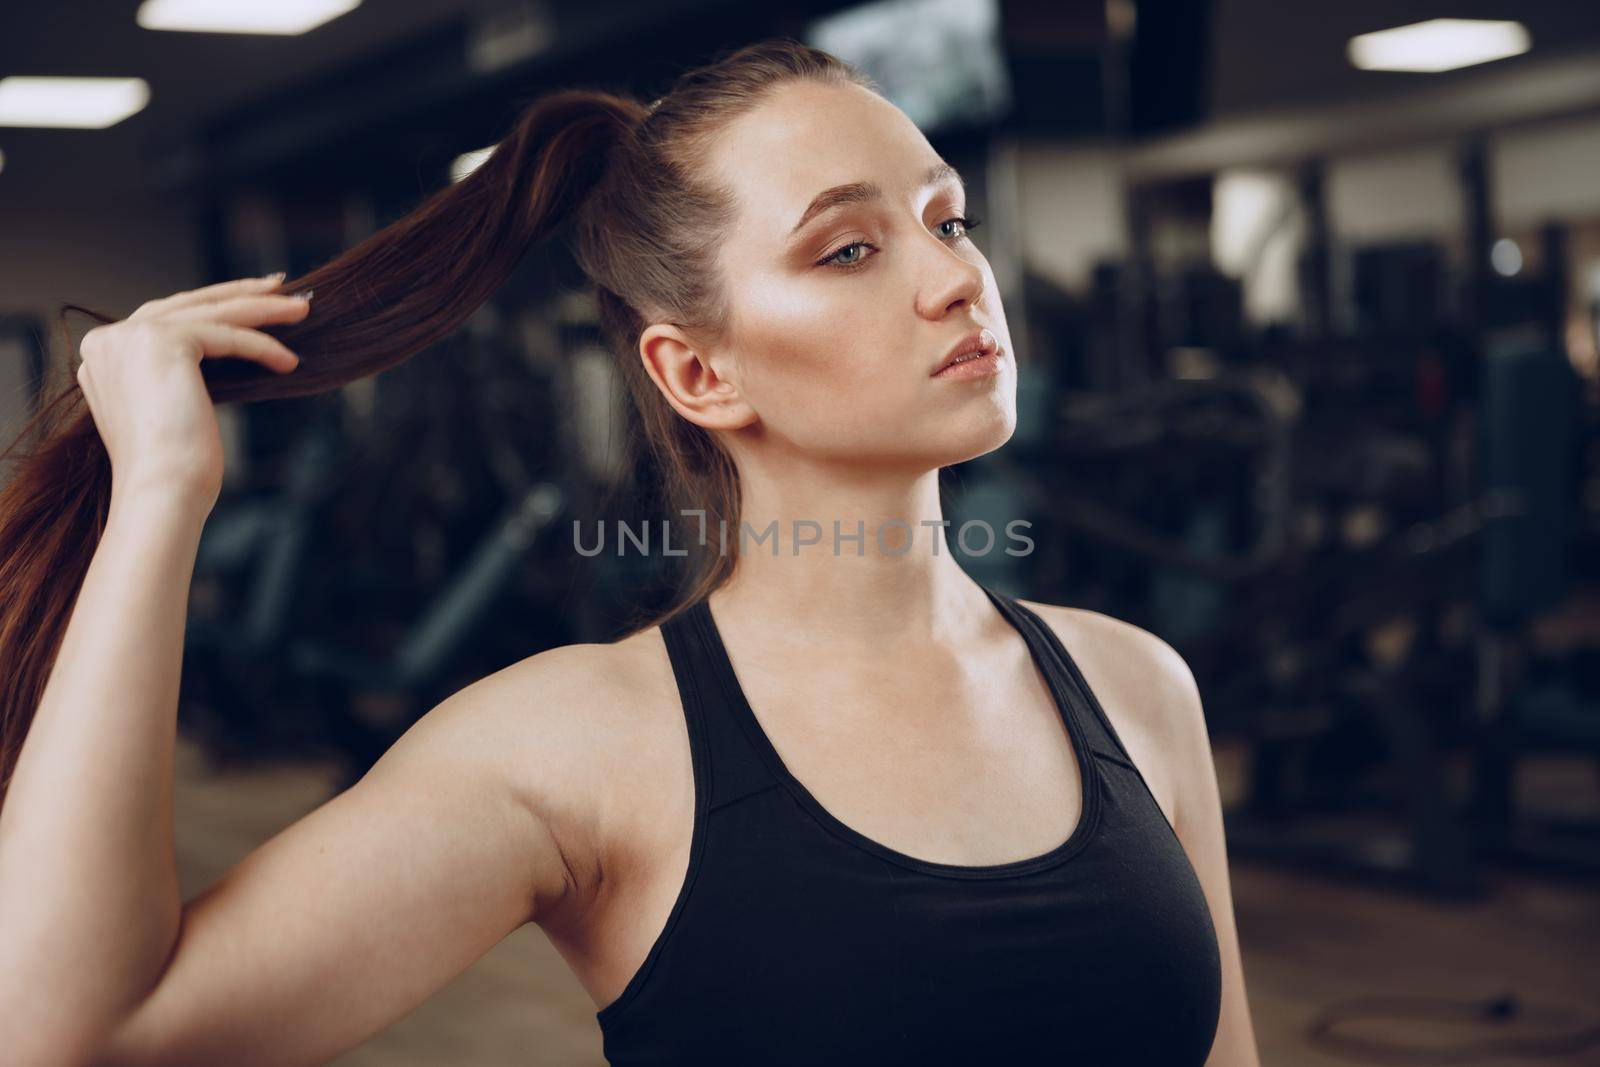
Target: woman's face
(838,324)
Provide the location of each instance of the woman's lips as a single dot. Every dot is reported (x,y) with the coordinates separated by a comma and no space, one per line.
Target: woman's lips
(981,340)
(977,366)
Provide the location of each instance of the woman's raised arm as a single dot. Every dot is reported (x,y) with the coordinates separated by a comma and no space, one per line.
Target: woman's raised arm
(339,924)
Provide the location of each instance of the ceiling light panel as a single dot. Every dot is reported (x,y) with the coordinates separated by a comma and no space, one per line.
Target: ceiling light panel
(1438,44)
(283,17)
(76,103)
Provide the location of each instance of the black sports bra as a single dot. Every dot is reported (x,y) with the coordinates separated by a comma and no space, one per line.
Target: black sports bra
(797,940)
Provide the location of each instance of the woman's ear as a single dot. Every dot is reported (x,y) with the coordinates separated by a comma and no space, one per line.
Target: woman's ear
(687,376)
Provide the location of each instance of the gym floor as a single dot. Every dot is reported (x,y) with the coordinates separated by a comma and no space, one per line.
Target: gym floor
(1308,942)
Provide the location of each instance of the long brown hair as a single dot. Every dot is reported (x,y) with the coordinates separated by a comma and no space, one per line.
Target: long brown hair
(628,182)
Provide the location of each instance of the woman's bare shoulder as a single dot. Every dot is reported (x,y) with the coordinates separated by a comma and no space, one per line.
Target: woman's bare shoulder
(610,683)
(582,705)
(1125,647)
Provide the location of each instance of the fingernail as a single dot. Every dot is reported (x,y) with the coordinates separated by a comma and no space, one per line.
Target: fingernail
(277,276)
(304,294)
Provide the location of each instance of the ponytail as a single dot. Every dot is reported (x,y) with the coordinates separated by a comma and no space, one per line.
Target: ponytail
(388,298)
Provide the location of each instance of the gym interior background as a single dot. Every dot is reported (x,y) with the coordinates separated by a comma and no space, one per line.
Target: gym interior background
(1310,388)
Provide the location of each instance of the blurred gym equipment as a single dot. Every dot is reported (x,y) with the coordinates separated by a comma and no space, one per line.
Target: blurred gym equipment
(294,657)
(1531,427)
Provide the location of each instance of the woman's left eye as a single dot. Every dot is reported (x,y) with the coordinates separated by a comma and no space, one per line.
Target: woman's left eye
(968,224)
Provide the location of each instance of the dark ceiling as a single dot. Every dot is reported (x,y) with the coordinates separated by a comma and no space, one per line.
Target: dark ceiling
(1269,54)
(1262,55)
(191,75)
(376,62)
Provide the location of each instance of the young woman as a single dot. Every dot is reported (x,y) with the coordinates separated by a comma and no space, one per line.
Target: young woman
(837,807)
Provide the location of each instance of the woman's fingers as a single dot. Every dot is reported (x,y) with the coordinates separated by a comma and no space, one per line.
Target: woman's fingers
(244,310)
(225,339)
(206,295)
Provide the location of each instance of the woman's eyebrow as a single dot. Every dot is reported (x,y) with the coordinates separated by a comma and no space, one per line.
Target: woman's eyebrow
(861,192)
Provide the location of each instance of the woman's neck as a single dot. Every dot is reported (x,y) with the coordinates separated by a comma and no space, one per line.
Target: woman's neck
(887,578)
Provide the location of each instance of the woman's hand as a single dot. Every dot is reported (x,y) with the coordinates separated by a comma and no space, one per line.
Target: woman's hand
(141,377)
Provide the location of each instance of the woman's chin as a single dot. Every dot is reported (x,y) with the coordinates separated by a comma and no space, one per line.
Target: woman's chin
(979,440)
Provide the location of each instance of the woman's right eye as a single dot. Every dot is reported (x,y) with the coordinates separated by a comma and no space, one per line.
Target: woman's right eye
(834,260)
